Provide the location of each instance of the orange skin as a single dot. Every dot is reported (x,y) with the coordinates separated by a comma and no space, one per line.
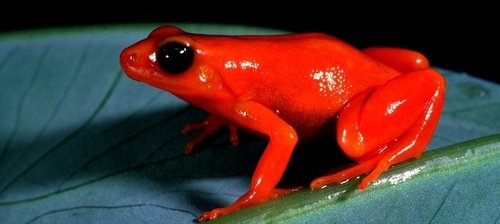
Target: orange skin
(386,101)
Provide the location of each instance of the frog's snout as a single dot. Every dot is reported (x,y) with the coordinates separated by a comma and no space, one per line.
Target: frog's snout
(128,58)
(129,61)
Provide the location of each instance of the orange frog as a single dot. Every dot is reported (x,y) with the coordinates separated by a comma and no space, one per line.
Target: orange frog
(385,102)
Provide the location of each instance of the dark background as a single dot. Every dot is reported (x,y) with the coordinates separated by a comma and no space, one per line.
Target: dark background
(461,38)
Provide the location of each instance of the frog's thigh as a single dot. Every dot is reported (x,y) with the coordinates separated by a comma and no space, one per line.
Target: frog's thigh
(376,118)
(388,125)
(394,123)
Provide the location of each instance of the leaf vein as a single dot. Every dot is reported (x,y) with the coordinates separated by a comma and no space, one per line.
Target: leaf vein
(118,144)
(98,109)
(442,203)
(21,103)
(56,110)
(497,220)
(118,172)
(63,210)
(8,56)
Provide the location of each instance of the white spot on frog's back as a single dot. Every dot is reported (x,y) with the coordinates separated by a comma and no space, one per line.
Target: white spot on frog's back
(330,81)
(245,64)
(249,64)
(230,65)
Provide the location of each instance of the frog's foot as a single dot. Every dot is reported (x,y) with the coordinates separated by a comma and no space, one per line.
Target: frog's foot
(282,191)
(246,200)
(349,173)
(208,127)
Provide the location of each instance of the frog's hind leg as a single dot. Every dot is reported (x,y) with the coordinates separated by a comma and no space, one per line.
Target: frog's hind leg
(400,59)
(387,126)
(208,127)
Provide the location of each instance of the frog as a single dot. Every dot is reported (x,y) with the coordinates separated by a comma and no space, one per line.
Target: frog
(383,103)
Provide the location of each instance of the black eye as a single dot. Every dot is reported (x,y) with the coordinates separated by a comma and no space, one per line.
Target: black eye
(175,57)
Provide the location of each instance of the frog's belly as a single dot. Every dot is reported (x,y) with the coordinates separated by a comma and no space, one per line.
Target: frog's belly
(306,114)
(308,125)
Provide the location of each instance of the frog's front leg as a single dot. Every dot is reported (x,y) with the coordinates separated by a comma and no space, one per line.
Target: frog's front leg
(273,162)
(208,127)
(389,125)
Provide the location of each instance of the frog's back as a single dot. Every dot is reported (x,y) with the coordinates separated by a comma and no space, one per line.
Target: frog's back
(305,78)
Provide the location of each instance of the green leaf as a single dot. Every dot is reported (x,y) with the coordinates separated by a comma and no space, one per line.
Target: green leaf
(455,184)
(82,143)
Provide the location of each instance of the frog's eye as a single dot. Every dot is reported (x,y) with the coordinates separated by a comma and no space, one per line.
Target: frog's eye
(175,57)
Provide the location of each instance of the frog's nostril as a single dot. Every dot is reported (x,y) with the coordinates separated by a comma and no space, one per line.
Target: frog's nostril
(132,57)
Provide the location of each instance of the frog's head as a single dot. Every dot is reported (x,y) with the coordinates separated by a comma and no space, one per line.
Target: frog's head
(169,59)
